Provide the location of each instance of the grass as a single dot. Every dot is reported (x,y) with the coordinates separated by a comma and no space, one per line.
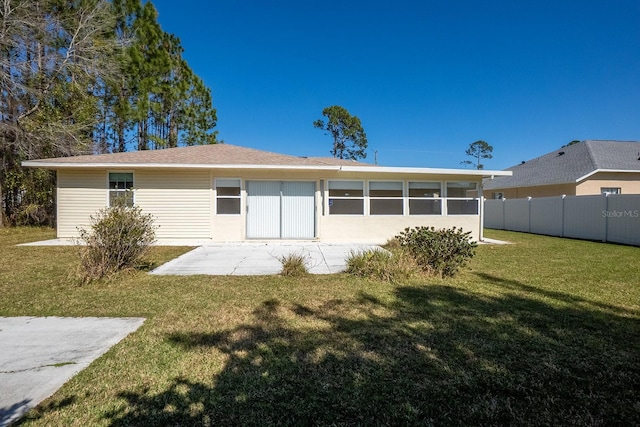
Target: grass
(542,332)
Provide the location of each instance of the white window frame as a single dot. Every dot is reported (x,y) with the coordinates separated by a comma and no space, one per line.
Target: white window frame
(401,197)
(362,198)
(218,197)
(132,189)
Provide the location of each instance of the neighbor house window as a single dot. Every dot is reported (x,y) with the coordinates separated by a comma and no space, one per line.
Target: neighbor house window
(461,198)
(385,198)
(610,190)
(228,196)
(346,198)
(120,188)
(424,198)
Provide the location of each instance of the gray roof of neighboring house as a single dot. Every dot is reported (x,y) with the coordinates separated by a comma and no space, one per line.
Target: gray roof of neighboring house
(571,163)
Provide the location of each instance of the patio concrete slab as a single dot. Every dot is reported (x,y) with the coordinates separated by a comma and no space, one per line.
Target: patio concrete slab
(39,354)
(260,258)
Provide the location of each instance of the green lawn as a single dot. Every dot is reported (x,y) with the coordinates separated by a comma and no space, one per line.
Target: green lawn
(545,331)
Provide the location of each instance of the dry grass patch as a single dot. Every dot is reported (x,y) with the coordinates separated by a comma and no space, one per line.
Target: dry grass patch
(294,265)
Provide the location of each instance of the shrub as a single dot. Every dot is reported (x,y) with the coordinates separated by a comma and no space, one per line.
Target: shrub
(381,264)
(31,214)
(294,265)
(120,236)
(442,251)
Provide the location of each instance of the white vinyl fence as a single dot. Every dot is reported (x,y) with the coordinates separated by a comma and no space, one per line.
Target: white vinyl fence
(609,218)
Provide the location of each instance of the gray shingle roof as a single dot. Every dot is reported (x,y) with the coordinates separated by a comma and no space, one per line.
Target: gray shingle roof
(216,154)
(576,161)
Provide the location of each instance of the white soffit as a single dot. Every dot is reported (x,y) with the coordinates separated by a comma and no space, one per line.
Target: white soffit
(361,169)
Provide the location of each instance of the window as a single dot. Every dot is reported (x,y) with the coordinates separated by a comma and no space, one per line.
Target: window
(424,198)
(120,188)
(460,198)
(498,196)
(385,198)
(228,196)
(610,190)
(346,198)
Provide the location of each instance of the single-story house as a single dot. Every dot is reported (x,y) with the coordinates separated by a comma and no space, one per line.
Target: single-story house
(584,168)
(227,193)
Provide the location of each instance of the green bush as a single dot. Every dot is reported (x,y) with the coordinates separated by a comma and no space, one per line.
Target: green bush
(381,264)
(294,265)
(441,252)
(120,236)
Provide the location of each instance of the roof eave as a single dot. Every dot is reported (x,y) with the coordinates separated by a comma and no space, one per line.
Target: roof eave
(57,165)
(432,171)
(582,178)
(364,169)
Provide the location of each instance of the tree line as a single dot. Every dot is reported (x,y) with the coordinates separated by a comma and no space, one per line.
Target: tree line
(88,77)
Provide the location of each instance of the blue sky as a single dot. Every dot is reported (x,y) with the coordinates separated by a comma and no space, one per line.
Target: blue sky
(426,78)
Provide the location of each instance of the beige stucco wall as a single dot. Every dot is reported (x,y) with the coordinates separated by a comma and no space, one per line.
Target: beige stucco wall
(378,229)
(80,194)
(540,191)
(629,183)
(341,228)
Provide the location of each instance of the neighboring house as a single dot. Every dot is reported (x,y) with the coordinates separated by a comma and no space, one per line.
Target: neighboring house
(584,168)
(228,193)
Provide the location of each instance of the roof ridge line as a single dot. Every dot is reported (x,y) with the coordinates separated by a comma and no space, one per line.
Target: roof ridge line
(591,156)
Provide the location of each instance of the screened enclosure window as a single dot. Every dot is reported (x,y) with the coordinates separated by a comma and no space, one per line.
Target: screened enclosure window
(424,198)
(461,198)
(461,189)
(385,198)
(120,189)
(346,198)
(228,196)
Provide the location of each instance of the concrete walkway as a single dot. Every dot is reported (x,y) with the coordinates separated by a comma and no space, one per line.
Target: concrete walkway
(259,258)
(39,354)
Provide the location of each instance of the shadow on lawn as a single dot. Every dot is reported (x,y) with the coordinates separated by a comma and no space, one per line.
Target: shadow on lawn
(434,355)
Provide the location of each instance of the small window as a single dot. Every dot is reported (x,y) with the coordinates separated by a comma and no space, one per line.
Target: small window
(228,196)
(346,198)
(498,196)
(611,190)
(385,198)
(424,198)
(120,189)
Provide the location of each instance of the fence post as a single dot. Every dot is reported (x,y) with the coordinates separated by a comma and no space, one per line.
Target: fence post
(606,217)
(481,211)
(504,209)
(529,209)
(564,196)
